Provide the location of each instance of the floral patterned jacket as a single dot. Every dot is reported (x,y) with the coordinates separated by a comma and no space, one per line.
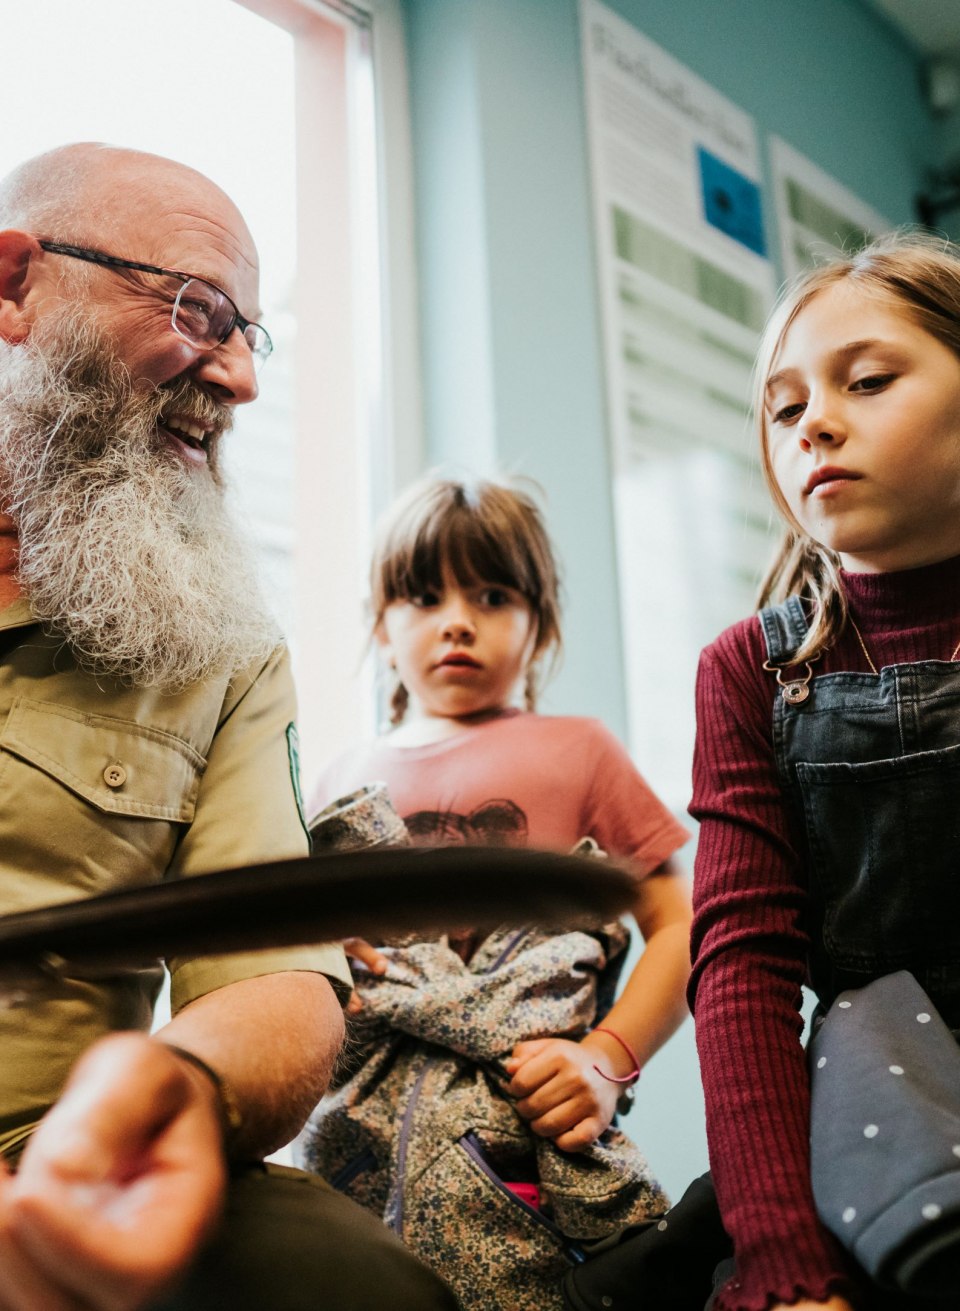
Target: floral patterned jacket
(418,1128)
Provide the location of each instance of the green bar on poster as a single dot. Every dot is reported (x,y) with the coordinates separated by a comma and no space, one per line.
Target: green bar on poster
(655,253)
(817,216)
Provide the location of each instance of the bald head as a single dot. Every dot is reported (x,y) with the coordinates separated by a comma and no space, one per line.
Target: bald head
(89,192)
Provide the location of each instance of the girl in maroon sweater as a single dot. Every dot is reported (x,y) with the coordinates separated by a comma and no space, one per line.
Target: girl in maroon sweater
(859,415)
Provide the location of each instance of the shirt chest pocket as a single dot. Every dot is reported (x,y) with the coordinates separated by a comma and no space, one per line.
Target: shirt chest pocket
(90,801)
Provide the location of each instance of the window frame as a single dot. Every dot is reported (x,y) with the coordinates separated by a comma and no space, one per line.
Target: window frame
(358,438)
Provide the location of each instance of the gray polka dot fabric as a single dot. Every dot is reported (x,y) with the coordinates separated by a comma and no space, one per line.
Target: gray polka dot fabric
(885,1135)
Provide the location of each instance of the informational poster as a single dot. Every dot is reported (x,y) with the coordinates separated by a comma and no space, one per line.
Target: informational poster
(817,216)
(686,285)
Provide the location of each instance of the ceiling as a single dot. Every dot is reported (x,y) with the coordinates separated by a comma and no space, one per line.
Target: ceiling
(931,26)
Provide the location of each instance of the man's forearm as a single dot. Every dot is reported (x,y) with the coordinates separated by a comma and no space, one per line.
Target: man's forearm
(274,1040)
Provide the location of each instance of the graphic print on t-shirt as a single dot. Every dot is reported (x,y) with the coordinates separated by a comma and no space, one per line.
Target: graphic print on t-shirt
(495,823)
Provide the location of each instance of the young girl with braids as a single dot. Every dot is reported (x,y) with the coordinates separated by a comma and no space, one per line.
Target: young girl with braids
(828,729)
(465,600)
(465,611)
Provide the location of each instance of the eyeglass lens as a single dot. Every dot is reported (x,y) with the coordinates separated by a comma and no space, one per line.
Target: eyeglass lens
(205,316)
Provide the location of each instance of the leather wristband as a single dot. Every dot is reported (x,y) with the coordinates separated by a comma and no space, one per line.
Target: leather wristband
(231,1118)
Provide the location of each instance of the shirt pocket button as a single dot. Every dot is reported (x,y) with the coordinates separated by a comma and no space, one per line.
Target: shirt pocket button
(115,775)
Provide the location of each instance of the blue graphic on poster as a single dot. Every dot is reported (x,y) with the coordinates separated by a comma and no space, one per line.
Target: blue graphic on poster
(731,202)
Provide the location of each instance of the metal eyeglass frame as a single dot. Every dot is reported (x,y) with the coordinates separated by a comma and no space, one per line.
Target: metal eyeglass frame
(260,351)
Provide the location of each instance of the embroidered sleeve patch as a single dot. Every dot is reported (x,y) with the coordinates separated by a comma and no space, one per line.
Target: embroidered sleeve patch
(293,755)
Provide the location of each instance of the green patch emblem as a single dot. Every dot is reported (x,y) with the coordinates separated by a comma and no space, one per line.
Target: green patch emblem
(293,754)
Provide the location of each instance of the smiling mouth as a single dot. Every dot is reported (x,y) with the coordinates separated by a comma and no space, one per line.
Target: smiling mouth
(187,432)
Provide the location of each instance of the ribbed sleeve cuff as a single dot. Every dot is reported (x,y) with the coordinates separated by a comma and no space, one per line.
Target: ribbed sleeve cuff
(810,1267)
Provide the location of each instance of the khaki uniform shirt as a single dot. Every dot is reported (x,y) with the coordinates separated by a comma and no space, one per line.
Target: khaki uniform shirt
(105,787)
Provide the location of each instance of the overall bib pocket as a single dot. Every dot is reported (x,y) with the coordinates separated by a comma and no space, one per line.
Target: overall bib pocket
(884,843)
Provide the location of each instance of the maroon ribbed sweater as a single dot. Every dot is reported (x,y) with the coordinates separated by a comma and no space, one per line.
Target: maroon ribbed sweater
(748,949)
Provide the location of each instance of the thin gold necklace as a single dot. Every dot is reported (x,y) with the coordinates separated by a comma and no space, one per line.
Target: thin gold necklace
(863,646)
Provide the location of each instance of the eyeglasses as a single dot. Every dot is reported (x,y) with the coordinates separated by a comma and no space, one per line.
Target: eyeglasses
(202,314)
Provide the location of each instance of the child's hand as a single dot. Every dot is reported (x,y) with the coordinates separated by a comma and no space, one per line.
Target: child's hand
(361,950)
(560,1093)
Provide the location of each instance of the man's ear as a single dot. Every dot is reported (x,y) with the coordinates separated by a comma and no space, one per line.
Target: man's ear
(18,250)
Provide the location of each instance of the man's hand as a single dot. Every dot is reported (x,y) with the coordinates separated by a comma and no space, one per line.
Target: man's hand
(560,1093)
(118,1186)
(361,950)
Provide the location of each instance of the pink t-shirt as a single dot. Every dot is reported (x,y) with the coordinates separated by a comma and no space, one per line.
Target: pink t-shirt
(520,780)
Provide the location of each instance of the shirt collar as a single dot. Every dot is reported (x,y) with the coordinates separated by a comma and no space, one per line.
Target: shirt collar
(19,614)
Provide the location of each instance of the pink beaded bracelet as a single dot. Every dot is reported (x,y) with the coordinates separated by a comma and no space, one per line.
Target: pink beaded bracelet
(634,1074)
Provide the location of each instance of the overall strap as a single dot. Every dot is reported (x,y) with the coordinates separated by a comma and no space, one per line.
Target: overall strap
(784,628)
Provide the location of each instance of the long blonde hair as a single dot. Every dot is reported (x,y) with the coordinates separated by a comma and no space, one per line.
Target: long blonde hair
(920,273)
(480,531)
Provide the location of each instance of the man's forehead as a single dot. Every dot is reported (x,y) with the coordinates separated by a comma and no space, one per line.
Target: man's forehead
(164,213)
(197,240)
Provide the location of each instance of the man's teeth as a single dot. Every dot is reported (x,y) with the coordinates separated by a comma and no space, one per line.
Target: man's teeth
(192,432)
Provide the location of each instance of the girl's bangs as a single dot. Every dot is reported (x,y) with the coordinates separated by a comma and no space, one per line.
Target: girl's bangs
(461,542)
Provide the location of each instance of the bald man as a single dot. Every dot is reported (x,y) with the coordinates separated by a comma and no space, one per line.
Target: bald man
(146,733)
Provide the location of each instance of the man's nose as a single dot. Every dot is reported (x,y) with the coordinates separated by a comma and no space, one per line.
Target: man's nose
(228,371)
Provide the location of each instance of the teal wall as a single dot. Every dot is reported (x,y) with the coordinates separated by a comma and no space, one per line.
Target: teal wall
(509,307)
(947,141)
(512,368)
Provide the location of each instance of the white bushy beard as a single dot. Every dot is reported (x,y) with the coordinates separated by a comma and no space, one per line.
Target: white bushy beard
(124,550)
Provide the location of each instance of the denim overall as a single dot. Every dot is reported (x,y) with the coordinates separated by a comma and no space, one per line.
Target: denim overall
(871,764)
